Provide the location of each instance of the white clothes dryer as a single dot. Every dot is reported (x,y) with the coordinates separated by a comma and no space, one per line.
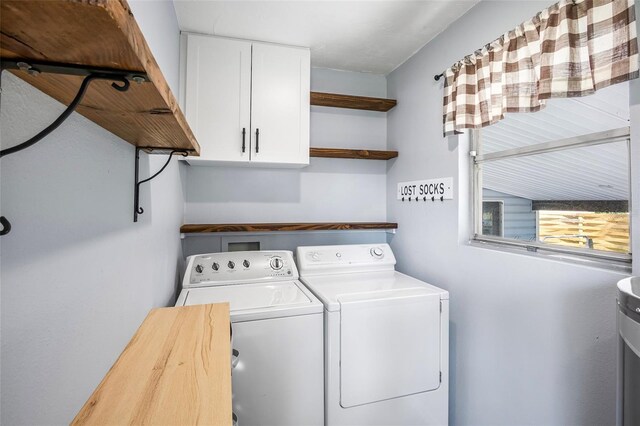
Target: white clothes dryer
(386,337)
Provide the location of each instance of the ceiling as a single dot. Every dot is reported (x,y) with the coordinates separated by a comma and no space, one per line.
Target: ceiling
(373,36)
(598,172)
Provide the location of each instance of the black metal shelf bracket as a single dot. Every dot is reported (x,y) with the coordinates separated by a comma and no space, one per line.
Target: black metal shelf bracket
(137,210)
(122,77)
(6,225)
(121,83)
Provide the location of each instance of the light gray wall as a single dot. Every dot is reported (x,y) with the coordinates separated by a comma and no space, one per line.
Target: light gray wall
(533,341)
(519,221)
(328,190)
(77,276)
(198,244)
(158,22)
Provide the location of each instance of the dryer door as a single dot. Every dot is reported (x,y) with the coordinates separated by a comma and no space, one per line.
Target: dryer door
(389,345)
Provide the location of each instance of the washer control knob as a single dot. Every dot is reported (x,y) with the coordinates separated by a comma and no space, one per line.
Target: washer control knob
(377,252)
(245,263)
(276,263)
(315,255)
(215,266)
(199,269)
(231,264)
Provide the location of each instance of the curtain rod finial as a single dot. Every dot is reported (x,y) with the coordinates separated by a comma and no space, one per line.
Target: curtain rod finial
(437,76)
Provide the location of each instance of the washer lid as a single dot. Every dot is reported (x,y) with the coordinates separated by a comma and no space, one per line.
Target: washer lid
(256,301)
(329,288)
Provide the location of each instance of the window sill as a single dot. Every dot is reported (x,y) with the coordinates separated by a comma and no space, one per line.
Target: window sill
(620,266)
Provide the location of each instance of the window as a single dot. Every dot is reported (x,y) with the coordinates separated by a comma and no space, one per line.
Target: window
(492,218)
(557,180)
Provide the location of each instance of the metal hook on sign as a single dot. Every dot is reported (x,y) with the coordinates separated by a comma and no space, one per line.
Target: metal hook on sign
(6,225)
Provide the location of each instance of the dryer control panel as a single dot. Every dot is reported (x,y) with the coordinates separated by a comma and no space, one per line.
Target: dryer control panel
(345,258)
(239,267)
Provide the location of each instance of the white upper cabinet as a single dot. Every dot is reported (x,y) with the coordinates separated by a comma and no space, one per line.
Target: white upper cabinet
(247,102)
(218,96)
(280,104)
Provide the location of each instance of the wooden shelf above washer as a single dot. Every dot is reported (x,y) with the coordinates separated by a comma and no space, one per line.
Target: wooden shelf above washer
(269,227)
(359,154)
(96,34)
(352,102)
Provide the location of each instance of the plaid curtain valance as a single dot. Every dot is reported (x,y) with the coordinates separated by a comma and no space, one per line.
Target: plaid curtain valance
(567,50)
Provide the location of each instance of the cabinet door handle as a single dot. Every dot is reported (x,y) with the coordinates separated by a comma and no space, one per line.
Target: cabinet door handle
(244,146)
(257,140)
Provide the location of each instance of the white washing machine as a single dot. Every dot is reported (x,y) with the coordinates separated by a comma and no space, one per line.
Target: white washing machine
(386,337)
(277,334)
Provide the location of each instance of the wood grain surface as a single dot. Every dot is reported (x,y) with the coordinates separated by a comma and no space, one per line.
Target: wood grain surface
(268,227)
(96,34)
(352,102)
(359,154)
(176,370)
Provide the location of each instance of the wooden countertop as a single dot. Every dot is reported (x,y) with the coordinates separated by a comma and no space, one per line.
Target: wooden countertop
(176,370)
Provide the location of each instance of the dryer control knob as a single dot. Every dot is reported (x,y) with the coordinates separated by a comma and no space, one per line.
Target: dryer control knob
(276,263)
(215,266)
(231,264)
(199,269)
(245,263)
(377,252)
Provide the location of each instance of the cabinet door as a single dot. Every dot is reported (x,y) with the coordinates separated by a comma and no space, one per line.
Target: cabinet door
(280,104)
(218,96)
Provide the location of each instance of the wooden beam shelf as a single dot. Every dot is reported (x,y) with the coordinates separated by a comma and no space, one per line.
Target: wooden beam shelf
(352,102)
(96,34)
(360,154)
(270,227)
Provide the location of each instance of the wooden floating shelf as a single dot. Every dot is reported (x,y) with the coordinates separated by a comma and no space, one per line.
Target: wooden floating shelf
(94,34)
(360,154)
(352,102)
(269,227)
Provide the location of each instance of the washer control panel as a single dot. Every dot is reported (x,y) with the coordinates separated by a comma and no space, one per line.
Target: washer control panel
(356,258)
(240,266)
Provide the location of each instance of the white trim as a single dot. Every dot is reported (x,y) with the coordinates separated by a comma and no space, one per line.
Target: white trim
(592,257)
(623,268)
(535,246)
(591,139)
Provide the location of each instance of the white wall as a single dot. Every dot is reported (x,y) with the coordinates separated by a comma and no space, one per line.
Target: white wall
(77,275)
(328,190)
(533,341)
